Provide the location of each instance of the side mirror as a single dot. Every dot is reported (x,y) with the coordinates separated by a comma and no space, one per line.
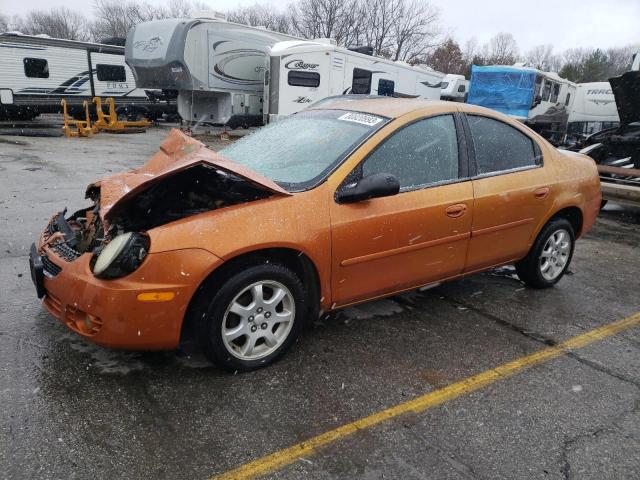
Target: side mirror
(371,186)
(537,100)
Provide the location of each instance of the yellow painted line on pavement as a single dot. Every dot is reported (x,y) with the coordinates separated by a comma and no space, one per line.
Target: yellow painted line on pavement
(287,456)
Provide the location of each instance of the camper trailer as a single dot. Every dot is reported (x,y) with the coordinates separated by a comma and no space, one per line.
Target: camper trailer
(454,88)
(594,109)
(216,67)
(301,73)
(38,71)
(540,99)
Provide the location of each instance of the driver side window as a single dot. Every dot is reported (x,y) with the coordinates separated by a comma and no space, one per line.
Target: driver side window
(420,154)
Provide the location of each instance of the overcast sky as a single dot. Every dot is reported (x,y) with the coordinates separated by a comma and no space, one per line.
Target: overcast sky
(564,23)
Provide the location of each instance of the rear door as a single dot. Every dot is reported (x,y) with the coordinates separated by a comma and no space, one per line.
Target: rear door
(415,237)
(512,191)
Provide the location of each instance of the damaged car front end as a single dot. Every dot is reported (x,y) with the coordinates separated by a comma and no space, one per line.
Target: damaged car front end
(97,270)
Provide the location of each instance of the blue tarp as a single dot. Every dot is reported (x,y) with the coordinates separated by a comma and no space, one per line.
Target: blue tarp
(505,89)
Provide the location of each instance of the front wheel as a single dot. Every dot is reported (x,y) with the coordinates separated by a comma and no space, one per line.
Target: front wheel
(253,318)
(550,255)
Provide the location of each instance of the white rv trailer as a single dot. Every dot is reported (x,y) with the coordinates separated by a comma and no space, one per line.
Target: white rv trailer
(454,88)
(36,72)
(540,99)
(300,73)
(216,67)
(594,109)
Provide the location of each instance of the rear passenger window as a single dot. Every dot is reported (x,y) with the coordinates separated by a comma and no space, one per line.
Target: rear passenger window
(111,73)
(499,146)
(36,67)
(303,79)
(361,83)
(422,153)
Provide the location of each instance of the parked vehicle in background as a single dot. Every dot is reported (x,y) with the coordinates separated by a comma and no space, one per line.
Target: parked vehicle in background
(300,73)
(215,67)
(617,150)
(38,71)
(593,109)
(348,201)
(541,100)
(454,88)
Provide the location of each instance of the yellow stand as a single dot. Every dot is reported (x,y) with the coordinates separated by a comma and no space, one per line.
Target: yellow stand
(110,122)
(77,128)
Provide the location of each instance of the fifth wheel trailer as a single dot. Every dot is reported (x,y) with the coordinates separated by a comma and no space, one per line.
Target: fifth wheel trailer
(300,73)
(36,72)
(216,67)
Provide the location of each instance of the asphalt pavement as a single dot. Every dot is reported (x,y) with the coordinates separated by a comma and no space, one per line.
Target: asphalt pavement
(74,410)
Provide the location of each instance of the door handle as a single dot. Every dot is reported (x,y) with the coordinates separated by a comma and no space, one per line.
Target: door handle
(455,211)
(541,192)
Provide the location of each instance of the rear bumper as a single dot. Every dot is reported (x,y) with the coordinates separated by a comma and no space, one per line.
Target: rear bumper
(108,312)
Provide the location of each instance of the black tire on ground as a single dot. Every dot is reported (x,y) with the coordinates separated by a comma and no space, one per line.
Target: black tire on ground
(529,268)
(209,314)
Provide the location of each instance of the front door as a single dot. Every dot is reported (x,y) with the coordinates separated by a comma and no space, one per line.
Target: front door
(415,237)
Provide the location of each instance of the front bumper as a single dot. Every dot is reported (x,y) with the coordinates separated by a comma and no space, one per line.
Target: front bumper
(108,312)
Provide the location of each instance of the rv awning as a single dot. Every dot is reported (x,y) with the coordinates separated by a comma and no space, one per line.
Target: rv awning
(507,90)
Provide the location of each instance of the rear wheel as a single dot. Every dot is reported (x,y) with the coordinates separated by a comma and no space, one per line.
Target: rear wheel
(253,318)
(550,255)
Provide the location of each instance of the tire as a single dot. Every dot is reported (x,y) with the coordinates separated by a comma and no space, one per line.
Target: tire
(549,258)
(237,309)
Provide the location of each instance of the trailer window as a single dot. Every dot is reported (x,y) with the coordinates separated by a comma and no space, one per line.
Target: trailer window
(386,87)
(361,83)
(566,102)
(111,73)
(555,93)
(36,67)
(303,79)
(546,91)
(538,87)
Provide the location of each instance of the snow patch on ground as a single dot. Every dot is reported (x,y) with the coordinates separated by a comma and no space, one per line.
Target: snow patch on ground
(106,360)
(381,308)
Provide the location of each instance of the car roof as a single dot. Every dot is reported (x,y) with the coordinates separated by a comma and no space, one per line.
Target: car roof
(377,105)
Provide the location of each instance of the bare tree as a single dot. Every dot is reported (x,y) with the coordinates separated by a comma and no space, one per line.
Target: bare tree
(416,29)
(4,23)
(337,19)
(502,49)
(378,22)
(261,16)
(540,56)
(470,49)
(114,18)
(620,59)
(58,23)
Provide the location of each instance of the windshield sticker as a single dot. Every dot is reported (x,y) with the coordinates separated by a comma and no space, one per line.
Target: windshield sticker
(362,118)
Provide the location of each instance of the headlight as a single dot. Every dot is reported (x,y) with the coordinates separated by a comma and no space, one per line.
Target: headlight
(121,256)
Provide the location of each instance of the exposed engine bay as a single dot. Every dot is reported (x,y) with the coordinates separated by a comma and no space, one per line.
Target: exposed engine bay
(197,189)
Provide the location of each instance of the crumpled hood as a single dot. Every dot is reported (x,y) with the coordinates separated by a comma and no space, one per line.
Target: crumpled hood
(177,153)
(626,90)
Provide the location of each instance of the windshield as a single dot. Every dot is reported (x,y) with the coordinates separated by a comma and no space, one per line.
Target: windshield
(299,152)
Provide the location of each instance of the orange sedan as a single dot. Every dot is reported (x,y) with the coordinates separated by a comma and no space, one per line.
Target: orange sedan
(350,200)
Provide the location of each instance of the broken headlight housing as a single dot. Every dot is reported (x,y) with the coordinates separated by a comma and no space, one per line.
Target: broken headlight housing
(121,256)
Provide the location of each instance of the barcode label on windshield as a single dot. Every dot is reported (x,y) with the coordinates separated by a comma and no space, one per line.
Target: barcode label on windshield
(362,118)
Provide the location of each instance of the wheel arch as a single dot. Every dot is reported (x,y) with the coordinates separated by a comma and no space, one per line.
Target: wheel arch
(573,215)
(295,259)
